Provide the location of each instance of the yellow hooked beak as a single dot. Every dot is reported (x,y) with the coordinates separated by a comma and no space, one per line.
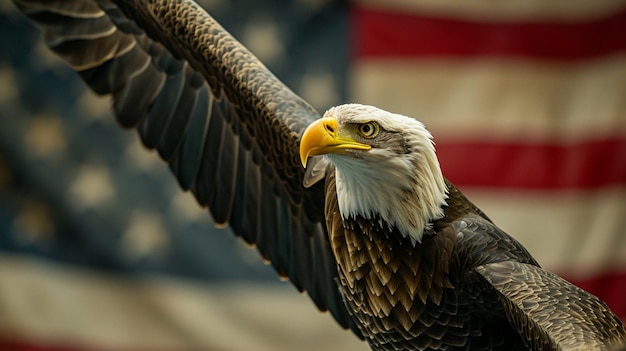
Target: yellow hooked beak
(321,137)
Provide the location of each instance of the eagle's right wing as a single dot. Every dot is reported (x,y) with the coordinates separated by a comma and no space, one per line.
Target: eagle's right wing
(228,128)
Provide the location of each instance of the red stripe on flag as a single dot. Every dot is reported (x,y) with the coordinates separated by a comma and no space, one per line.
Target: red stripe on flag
(14,345)
(585,165)
(609,287)
(25,345)
(387,34)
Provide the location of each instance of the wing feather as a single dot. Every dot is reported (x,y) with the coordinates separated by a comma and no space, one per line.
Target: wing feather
(151,128)
(228,127)
(283,243)
(186,160)
(225,172)
(296,261)
(246,187)
(549,312)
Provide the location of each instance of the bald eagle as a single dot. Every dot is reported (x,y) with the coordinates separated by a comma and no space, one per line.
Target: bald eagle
(371,229)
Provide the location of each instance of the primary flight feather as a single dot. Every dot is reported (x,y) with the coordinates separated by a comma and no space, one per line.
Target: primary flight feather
(378,236)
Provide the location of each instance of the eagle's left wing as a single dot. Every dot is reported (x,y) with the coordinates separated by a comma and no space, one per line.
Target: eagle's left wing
(551,313)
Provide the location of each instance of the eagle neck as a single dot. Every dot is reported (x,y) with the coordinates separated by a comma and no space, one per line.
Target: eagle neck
(405,193)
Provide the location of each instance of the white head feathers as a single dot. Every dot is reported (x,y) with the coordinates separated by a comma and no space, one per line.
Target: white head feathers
(398,180)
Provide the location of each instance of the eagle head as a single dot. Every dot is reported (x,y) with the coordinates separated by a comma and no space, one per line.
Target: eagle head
(385,165)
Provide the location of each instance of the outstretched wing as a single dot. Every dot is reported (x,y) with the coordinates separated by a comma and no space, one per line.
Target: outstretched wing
(549,312)
(227,127)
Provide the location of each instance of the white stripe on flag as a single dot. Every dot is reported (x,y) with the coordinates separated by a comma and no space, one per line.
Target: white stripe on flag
(576,233)
(49,304)
(499,100)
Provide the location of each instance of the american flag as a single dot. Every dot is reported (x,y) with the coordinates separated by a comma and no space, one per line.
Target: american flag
(526,101)
(100,250)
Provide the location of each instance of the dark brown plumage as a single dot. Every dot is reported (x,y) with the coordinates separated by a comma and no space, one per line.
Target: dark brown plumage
(460,286)
(230,132)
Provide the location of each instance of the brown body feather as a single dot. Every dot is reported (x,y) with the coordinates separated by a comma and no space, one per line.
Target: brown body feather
(448,291)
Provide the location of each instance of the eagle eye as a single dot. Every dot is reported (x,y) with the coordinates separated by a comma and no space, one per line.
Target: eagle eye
(368,129)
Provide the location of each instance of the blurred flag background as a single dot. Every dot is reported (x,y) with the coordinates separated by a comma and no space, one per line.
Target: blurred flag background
(100,250)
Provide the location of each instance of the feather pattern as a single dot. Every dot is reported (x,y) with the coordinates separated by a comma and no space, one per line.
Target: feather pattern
(430,300)
(467,286)
(541,306)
